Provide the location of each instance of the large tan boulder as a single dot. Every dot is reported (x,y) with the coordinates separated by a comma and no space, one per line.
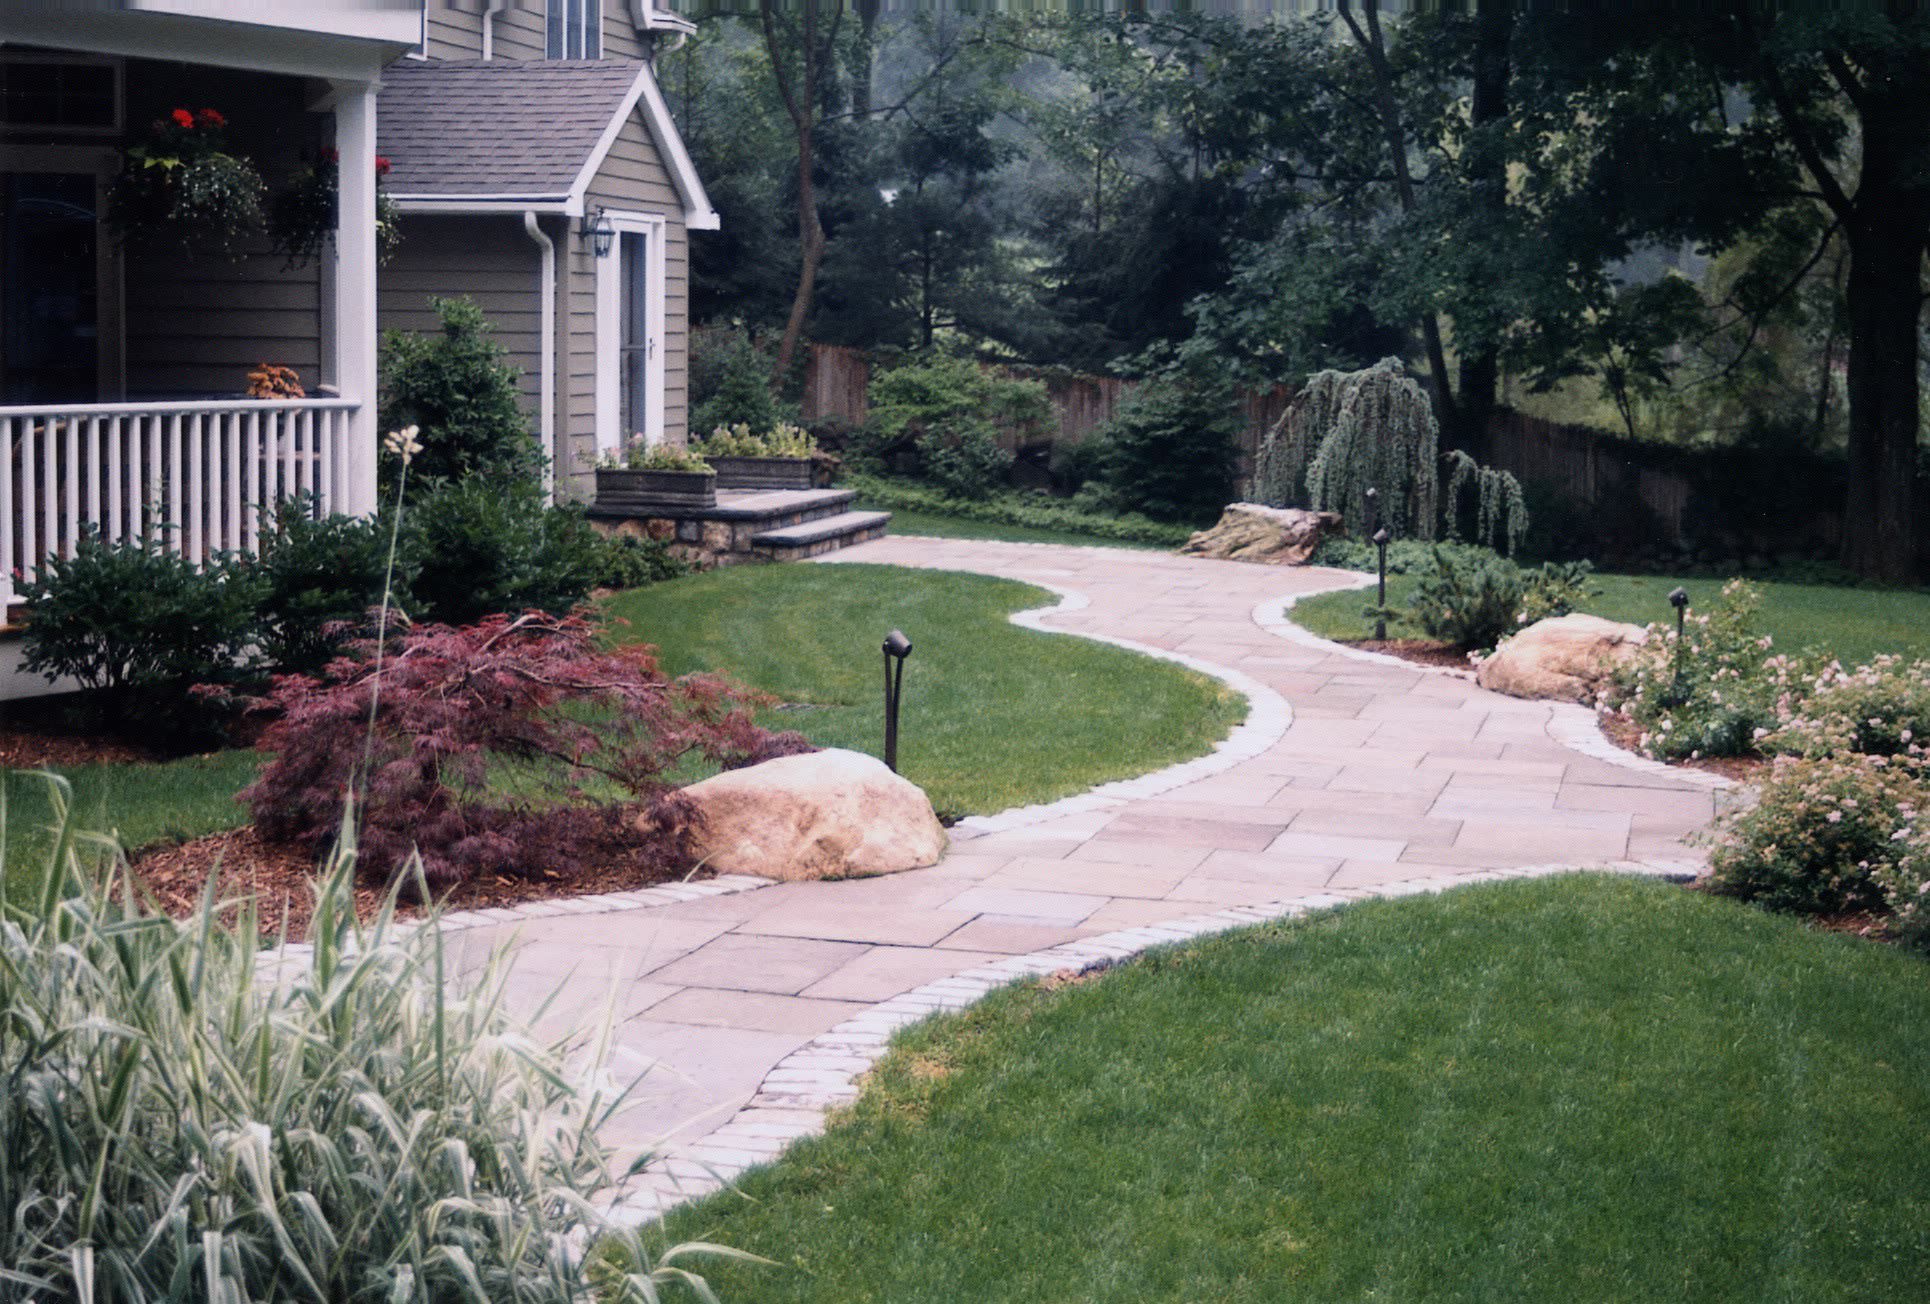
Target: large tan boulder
(1569,658)
(1280,536)
(828,814)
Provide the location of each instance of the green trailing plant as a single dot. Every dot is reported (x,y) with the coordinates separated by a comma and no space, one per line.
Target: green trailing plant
(182,186)
(183,1122)
(140,625)
(1501,512)
(302,217)
(456,388)
(1466,596)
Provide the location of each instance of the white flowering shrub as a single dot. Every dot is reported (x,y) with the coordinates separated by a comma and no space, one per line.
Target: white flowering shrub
(1879,709)
(1713,692)
(1905,875)
(1828,835)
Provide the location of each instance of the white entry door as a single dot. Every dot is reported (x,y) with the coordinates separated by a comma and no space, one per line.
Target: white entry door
(629,333)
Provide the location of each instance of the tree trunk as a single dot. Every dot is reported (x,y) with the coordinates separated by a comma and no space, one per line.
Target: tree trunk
(1487,176)
(810,234)
(1879,516)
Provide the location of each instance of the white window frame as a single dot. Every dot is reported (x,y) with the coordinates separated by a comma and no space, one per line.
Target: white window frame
(609,330)
(586,16)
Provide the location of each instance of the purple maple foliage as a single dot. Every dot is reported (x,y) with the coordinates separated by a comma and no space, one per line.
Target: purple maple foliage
(457,709)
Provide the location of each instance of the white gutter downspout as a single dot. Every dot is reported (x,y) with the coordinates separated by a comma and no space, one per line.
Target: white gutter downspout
(546,386)
(490,11)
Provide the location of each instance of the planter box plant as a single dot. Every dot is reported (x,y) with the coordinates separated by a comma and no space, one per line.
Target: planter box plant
(783,457)
(647,478)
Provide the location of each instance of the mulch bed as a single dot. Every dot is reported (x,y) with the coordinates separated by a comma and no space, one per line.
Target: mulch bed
(1420,651)
(281,878)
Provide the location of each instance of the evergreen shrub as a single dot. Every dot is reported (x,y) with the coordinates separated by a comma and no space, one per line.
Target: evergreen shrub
(457,389)
(141,626)
(1169,452)
(320,577)
(479,547)
(947,414)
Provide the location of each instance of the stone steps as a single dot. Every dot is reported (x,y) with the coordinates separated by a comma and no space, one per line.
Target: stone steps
(750,525)
(820,535)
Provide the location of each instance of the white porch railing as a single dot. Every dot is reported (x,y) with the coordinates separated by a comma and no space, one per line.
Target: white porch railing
(194,477)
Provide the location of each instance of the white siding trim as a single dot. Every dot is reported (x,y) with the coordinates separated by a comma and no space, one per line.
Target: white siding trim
(609,331)
(698,214)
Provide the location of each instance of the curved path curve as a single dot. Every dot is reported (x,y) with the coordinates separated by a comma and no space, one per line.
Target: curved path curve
(755,1005)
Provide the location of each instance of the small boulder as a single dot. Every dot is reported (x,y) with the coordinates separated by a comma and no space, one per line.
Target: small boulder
(1279,536)
(828,814)
(1569,658)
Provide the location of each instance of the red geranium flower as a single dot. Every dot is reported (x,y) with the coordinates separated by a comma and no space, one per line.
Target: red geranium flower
(211,118)
(330,156)
(182,118)
(381,166)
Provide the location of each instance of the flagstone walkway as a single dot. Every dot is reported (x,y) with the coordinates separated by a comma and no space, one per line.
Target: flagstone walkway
(755,1005)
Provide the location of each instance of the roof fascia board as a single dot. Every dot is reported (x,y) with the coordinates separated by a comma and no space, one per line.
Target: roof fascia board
(698,214)
(202,42)
(396,21)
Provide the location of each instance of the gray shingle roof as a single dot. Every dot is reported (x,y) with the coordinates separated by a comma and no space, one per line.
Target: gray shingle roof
(509,127)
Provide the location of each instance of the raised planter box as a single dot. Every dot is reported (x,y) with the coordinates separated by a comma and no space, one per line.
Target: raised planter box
(762,472)
(624,489)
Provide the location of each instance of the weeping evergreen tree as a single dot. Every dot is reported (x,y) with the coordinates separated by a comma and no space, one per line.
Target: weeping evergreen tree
(1348,431)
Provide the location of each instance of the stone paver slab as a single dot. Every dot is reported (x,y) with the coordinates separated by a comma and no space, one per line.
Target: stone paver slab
(884,971)
(1061,908)
(758,1011)
(782,965)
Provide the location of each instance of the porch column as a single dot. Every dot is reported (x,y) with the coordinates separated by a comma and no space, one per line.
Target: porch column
(355,288)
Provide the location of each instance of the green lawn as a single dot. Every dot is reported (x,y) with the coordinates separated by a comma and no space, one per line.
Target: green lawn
(142,804)
(1666,1097)
(993,716)
(1853,624)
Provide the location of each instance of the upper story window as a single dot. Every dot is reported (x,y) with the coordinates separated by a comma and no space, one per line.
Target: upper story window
(57,93)
(576,29)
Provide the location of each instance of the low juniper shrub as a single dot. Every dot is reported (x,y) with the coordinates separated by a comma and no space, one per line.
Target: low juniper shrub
(1827,835)
(424,733)
(1466,595)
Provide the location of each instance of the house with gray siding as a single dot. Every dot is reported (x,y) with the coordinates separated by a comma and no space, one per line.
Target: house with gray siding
(535,169)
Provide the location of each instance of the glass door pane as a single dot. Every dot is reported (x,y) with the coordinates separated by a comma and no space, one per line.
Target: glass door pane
(633,350)
(49,296)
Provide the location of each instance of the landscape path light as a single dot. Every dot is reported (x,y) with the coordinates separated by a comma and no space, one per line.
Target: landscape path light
(1679,599)
(897,648)
(1380,607)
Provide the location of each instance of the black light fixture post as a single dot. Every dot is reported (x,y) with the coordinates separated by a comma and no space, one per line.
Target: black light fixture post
(1373,512)
(897,648)
(1679,599)
(1380,607)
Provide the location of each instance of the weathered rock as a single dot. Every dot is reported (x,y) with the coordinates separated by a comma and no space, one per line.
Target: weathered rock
(828,814)
(1280,536)
(1566,657)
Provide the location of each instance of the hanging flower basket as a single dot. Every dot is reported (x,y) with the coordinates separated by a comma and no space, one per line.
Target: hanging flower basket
(302,219)
(182,188)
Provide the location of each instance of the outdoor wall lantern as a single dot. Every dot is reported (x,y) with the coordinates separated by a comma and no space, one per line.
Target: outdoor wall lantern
(897,648)
(600,233)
